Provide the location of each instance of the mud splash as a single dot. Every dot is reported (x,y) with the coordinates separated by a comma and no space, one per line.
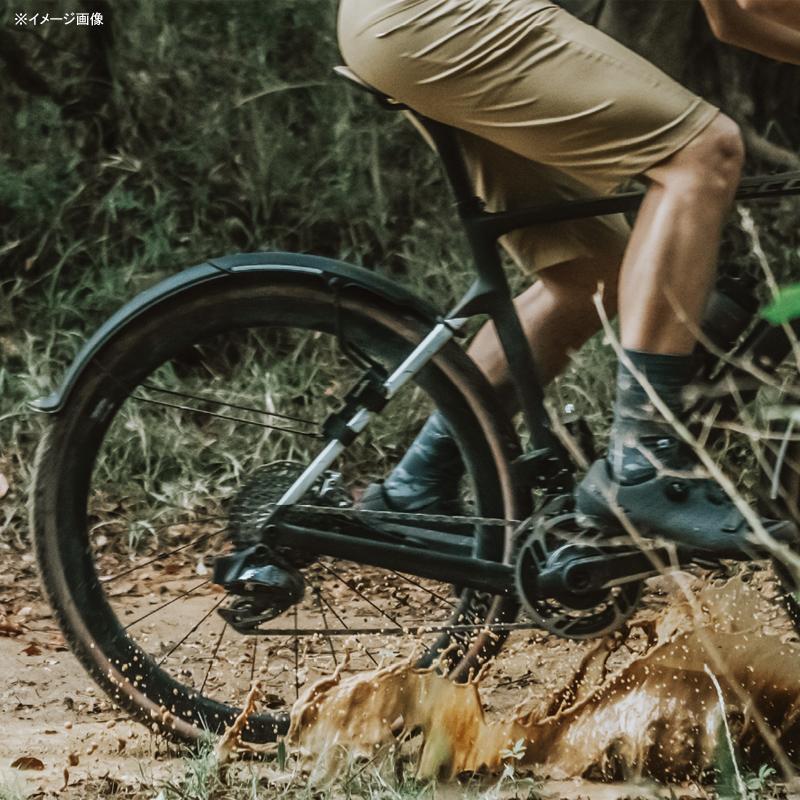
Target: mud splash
(658,715)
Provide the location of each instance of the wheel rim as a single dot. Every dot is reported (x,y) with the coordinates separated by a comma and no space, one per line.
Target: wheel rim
(185,667)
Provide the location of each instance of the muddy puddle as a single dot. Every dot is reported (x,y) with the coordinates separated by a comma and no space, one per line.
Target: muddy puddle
(718,666)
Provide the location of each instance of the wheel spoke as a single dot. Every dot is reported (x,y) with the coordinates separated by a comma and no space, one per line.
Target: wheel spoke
(212,401)
(169,602)
(193,628)
(359,594)
(404,577)
(253,660)
(296,657)
(228,417)
(161,556)
(213,655)
(325,623)
(345,626)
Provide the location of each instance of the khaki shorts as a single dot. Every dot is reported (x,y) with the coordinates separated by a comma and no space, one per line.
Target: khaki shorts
(550,108)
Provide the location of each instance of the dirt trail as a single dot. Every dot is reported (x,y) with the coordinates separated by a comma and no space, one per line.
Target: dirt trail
(54,718)
(724,656)
(74,744)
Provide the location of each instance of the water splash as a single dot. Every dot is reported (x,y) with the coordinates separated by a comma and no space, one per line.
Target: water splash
(657,715)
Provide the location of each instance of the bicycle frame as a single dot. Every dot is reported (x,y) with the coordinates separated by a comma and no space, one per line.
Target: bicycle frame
(490,294)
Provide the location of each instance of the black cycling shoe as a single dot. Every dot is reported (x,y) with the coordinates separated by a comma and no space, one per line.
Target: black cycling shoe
(690,511)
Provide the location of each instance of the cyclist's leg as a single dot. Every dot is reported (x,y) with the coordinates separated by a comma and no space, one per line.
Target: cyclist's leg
(671,259)
(558,315)
(557,312)
(570,261)
(531,78)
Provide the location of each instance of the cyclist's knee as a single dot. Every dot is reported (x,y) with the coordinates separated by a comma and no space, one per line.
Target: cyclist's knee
(708,167)
(573,285)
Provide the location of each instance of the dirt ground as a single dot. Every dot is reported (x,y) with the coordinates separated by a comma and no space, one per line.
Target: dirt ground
(63,738)
(59,728)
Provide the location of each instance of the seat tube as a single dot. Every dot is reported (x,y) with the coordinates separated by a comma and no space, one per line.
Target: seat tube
(491,293)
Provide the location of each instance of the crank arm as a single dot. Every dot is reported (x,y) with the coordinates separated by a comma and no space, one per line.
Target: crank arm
(424,562)
(595,573)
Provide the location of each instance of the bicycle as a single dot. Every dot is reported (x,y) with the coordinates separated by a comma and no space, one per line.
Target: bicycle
(183,360)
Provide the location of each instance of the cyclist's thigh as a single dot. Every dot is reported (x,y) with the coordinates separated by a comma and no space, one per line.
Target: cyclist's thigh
(506,180)
(528,76)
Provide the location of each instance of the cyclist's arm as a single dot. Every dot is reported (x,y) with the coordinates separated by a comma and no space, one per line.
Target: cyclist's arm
(768,31)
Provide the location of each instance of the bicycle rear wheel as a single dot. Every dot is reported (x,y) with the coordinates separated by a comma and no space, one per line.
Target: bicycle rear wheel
(137,477)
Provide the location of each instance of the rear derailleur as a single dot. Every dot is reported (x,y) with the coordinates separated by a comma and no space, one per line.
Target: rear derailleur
(266,579)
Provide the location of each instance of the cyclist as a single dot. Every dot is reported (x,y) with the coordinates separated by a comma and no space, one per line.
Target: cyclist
(549,105)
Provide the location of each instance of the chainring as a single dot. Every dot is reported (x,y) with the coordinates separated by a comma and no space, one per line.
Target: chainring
(550,542)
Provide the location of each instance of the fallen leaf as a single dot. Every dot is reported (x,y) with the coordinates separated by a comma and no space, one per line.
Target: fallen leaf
(57,643)
(32,649)
(73,759)
(66,779)
(9,628)
(28,762)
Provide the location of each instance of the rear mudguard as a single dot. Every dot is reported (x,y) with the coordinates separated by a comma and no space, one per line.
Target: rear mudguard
(325,270)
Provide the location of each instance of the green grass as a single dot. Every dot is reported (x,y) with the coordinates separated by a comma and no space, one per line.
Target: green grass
(219,132)
(226,139)
(199,776)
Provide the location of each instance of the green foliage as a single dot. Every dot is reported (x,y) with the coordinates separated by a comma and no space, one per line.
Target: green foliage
(785,306)
(758,783)
(222,129)
(185,130)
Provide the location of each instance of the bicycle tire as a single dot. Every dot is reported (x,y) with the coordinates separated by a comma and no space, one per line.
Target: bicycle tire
(67,456)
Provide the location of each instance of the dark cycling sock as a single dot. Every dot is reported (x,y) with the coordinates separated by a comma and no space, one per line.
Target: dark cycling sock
(641,440)
(430,470)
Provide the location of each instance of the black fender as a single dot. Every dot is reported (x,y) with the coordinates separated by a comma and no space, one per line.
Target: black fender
(225,268)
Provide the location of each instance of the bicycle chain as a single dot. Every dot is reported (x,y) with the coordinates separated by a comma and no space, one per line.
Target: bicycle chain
(401,516)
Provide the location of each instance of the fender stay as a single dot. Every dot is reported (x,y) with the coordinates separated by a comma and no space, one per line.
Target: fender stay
(224,268)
